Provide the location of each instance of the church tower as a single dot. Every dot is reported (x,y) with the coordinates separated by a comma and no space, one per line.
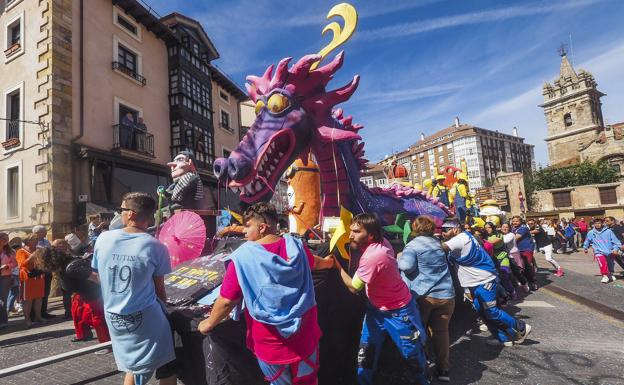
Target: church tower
(573,113)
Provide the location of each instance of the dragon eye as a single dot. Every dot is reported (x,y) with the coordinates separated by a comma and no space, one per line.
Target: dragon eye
(277,103)
(259,106)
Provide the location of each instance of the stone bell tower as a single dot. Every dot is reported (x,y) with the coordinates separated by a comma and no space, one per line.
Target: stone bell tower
(573,113)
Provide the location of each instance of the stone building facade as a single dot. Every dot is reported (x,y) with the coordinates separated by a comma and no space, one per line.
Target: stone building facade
(576,129)
(71,72)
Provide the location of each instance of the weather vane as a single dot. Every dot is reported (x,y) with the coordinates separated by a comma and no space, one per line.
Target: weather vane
(562,50)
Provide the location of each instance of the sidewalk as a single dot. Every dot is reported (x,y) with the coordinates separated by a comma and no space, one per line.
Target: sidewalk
(19,346)
(581,283)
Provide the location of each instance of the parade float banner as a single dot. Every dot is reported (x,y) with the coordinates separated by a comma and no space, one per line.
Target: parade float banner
(194,279)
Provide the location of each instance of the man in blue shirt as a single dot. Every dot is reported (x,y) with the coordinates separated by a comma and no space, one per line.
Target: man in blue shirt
(526,247)
(131,265)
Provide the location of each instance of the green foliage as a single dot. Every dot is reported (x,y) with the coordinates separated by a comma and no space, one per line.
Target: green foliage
(576,175)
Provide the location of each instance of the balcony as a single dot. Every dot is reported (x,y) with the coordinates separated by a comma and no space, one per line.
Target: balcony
(132,142)
(129,72)
(12,50)
(12,137)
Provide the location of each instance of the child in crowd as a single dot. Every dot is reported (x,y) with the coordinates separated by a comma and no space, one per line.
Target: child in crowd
(604,243)
(96,226)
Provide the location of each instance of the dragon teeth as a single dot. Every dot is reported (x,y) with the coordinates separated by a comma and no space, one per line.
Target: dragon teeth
(258,186)
(280,154)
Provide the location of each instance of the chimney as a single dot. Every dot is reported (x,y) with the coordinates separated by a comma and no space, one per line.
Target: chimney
(515,131)
(457,122)
(422,136)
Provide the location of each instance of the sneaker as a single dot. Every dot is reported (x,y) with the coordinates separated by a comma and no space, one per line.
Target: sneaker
(443,375)
(525,287)
(533,286)
(613,279)
(523,335)
(559,272)
(605,279)
(103,351)
(492,341)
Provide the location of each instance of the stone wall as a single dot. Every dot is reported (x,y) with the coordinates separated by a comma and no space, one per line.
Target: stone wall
(514,182)
(585,199)
(54,108)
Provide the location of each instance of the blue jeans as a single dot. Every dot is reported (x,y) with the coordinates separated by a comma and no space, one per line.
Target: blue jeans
(13,294)
(499,322)
(406,330)
(461,211)
(302,372)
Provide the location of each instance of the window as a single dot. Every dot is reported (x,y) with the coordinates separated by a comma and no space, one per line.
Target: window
(128,25)
(224,96)
(13,114)
(567,119)
(14,43)
(562,199)
(127,58)
(13,192)
(608,196)
(450,157)
(368,181)
(15,33)
(225,120)
(441,159)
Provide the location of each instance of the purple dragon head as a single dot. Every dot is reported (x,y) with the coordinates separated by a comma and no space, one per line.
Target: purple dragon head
(294,114)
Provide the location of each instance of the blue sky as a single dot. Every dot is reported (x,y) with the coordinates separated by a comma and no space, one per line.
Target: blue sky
(423,62)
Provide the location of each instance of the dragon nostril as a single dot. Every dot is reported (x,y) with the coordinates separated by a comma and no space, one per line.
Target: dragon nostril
(238,167)
(220,167)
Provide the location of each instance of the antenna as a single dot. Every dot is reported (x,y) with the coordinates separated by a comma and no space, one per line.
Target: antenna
(571,50)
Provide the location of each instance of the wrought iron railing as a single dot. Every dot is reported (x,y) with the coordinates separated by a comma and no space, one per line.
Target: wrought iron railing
(12,129)
(117,66)
(129,138)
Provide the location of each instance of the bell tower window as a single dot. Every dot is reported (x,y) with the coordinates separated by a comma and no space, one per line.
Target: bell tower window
(567,119)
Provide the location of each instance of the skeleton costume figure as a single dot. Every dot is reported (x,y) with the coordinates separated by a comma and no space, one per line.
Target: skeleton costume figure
(187,189)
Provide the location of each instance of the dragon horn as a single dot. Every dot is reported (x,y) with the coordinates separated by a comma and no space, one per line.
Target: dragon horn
(341,94)
(281,73)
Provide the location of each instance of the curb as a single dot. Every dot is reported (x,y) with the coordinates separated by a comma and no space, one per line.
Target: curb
(597,306)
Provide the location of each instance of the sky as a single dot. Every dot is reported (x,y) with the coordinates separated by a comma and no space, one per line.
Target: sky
(423,62)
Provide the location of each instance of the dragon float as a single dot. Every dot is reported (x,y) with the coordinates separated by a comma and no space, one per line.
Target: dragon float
(296,116)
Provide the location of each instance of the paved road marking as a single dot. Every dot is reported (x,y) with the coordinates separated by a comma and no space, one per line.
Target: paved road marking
(534,304)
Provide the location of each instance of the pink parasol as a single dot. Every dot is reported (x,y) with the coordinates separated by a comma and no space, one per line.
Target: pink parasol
(184,234)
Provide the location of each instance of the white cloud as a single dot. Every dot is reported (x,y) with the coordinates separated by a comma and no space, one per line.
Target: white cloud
(408,94)
(418,27)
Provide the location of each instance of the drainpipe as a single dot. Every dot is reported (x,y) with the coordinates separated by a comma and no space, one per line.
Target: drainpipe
(80,135)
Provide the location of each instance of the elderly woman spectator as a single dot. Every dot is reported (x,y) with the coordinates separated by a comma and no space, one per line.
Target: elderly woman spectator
(32,279)
(425,270)
(7,264)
